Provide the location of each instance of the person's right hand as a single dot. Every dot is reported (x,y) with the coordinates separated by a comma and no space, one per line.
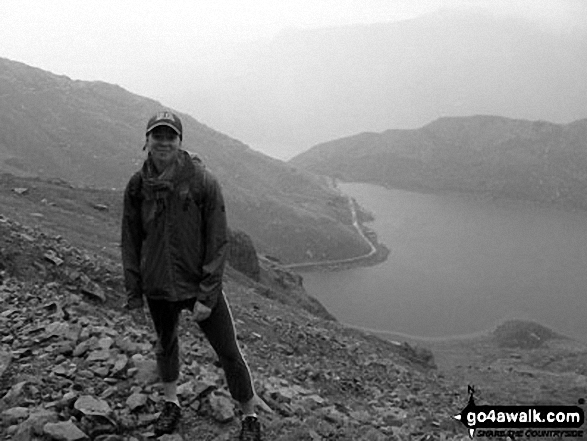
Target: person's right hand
(138,316)
(201,312)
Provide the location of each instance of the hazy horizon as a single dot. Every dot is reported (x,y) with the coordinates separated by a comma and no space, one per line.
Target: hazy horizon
(183,54)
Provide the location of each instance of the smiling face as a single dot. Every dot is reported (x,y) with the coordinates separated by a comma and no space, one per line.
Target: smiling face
(163,143)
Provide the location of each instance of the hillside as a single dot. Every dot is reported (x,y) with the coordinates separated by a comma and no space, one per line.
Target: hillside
(74,366)
(311,85)
(68,353)
(91,134)
(501,157)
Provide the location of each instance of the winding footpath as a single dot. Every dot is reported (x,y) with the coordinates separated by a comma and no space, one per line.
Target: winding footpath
(357,226)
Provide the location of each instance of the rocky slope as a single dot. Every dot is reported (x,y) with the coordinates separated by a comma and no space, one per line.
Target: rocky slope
(73,366)
(91,219)
(73,362)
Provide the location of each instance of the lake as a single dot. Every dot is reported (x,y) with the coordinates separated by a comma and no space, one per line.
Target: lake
(460,265)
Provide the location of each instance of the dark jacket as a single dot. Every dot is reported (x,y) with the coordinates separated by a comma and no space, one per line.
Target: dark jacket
(174,236)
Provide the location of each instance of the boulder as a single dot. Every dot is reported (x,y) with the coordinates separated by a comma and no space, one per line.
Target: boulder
(242,255)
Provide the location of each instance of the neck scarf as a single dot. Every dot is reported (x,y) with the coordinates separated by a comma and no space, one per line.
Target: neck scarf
(161,184)
(157,186)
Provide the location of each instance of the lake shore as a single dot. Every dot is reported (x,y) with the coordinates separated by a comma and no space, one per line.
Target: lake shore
(378,252)
(459,265)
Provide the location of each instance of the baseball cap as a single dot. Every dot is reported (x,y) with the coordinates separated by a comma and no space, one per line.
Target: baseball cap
(165,118)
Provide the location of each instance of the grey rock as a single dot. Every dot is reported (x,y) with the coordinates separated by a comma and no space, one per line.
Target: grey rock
(105,342)
(14,393)
(33,425)
(146,370)
(57,329)
(119,364)
(84,373)
(15,414)
(101,371)
(53,258)
(333,415)
(203,386)
(64,348)
(89,405)
(100,355)
(93,290)
(38,418)
(5,359)
(186,389)
(283,395)
(83,347)
(126,344)
(64,431)
(69,398)
(136,401)
(222,407)
(394,416)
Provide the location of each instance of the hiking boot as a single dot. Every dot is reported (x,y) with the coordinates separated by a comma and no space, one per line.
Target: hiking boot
(168,419)
(250,430)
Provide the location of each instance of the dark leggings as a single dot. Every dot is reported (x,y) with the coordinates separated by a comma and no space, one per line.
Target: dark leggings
(220,332)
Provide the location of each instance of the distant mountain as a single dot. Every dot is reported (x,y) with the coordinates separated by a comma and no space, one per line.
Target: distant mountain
(533,160)
(310,86)
(91,134)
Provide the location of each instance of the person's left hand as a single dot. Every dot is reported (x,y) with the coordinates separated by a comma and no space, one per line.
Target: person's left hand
(201,312)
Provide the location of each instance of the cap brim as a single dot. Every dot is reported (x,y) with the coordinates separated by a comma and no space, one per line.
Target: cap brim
(163,123)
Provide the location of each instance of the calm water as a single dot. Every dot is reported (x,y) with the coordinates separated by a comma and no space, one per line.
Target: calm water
(460,265)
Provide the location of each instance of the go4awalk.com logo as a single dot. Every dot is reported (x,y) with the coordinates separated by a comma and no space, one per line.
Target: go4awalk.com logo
(522,421)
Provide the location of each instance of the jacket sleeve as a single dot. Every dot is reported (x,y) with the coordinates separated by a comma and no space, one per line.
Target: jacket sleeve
(131,243)
(216,243)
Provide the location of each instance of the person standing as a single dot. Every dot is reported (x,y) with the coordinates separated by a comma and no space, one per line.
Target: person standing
(174,244)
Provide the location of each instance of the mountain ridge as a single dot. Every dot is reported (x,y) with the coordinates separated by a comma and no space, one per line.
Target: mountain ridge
(497,156)
(91,134)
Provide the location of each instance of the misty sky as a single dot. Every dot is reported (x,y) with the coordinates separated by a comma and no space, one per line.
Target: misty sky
(141,44)
(116,41)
